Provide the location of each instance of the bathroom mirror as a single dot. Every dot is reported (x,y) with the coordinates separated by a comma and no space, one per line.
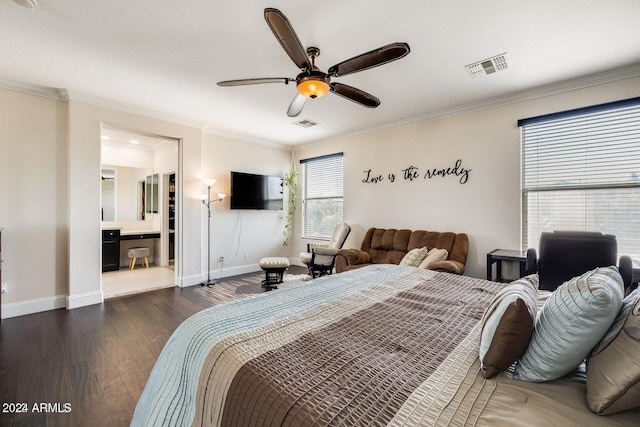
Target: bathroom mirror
(123,198)
(149,188)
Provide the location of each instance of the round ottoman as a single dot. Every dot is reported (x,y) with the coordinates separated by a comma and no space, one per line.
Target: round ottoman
(274,268)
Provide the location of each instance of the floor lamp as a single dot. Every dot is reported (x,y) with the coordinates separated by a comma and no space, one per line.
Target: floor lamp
(207,202)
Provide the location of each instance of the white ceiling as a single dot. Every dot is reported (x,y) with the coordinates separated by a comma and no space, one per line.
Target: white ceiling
(167,55)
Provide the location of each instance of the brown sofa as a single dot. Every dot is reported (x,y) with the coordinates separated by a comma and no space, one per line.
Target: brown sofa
(389,246)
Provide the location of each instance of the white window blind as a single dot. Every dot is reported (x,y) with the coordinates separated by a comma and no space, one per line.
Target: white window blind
(322,195)
(581,171)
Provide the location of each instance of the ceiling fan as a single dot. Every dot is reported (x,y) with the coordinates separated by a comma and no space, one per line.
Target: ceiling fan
(313,83)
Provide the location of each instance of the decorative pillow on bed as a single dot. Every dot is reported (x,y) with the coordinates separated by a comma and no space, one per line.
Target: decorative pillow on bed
(434,255)
(572,321)
(414,257)
(613,369)
(507,325)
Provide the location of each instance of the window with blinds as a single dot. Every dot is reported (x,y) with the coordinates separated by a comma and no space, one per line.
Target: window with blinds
(322,179)
(581,171)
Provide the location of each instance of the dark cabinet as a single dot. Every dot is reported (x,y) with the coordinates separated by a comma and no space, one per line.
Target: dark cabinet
(110,250)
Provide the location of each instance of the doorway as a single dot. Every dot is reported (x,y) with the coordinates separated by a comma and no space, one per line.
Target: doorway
(144,215)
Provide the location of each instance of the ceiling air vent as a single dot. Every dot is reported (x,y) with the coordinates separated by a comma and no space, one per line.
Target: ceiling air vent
(305,123)
(488,66)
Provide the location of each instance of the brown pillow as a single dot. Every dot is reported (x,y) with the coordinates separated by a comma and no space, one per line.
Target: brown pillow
(507,325)
(613,369)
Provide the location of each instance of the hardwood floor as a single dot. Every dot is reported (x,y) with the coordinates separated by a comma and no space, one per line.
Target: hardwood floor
(88,366)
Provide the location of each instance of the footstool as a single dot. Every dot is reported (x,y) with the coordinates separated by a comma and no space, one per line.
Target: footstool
(135,253)
(274,268)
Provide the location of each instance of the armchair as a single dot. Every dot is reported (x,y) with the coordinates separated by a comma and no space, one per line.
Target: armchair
(320,258)
(566,254)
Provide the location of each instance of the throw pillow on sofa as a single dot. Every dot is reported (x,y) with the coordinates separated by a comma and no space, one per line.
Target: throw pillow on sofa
(570,324)
(434,255)
(414,257)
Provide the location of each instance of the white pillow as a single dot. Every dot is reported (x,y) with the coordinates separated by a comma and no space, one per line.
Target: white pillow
(434,255)
(414,257)
(572,321)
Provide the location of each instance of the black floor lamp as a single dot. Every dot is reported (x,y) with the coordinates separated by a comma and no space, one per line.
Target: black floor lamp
(209,183)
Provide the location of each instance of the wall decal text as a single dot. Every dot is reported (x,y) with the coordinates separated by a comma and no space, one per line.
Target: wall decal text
(413,173)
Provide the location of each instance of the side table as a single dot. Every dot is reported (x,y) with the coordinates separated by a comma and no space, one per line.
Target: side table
(496,256)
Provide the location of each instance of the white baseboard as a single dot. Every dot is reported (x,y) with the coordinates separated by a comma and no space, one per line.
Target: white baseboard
(192,280)
(33,306)
(226,272)
(82,300)
(234,271)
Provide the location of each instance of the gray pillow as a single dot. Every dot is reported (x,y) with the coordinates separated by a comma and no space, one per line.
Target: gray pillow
(572,321)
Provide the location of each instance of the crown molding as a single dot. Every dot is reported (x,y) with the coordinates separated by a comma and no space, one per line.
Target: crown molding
(208,129)
(133,109)
(29,89)
(65,95)
(583,82)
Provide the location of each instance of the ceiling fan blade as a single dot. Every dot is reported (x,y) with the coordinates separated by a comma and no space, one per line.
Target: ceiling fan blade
(296,105)
(380,56)
(356,95)
(288,39)
(243,82)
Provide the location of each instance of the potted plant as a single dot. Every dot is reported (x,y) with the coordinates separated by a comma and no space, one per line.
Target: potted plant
(290,182)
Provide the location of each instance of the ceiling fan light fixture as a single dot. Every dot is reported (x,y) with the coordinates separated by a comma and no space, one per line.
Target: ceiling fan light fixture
(313,86)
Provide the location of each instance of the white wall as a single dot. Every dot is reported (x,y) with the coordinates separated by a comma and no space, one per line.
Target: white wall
(242,237)
(33,208)
(487,207)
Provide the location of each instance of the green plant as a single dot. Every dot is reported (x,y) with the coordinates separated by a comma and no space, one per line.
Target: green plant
(290,182)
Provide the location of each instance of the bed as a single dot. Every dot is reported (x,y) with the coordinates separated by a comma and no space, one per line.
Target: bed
(381,345)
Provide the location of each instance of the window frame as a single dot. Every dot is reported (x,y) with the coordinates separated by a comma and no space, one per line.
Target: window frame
(589,190)
(339,195)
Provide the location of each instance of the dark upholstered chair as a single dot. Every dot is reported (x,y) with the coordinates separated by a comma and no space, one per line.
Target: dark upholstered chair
(567,254)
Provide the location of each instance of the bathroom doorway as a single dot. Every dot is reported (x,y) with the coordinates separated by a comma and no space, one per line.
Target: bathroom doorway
(141,204)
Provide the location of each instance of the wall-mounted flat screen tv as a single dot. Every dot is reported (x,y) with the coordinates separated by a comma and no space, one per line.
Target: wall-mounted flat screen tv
(251,191)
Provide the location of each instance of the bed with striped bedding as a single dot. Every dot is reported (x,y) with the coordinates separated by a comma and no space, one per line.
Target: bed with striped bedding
(381,345)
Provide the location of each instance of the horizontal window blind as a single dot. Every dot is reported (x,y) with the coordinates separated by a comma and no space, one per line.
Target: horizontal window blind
(322,196)
(581,171)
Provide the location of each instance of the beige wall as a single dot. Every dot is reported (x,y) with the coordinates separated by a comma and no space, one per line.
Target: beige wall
(487,207)
(33,206)
(242,237)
